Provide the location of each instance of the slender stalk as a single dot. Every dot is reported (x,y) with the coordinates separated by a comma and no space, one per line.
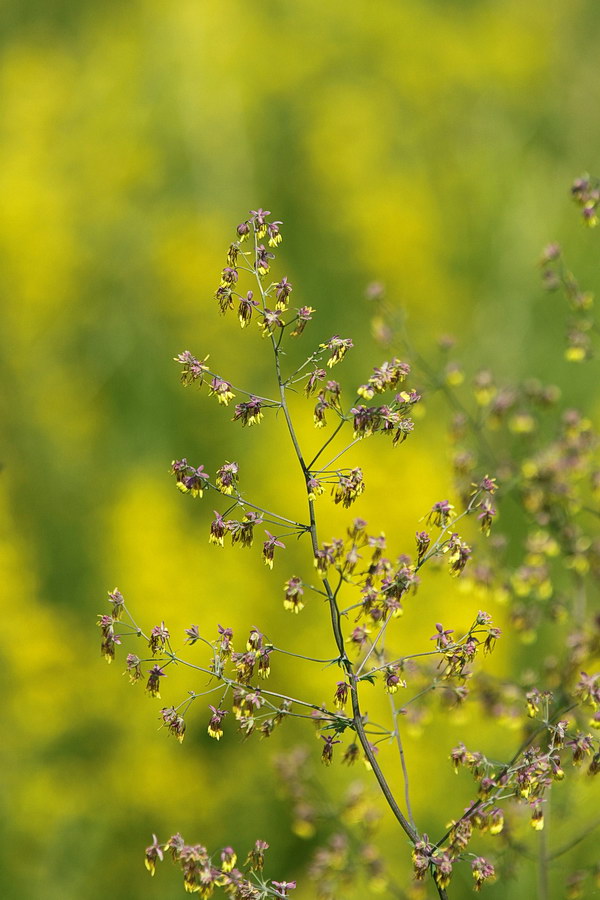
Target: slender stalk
(543,884)
(398,737)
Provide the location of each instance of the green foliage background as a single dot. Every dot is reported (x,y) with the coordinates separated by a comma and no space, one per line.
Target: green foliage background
(426,143)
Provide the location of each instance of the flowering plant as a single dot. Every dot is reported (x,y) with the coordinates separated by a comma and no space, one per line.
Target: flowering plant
(548,583)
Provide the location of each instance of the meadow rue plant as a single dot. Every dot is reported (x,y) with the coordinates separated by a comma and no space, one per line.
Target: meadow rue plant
(511,443)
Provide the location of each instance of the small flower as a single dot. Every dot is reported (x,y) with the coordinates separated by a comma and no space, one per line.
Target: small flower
(225,645)
(109,638)
(581,746)
(304,316)
(229,276)
(228,859)
(365,420)
(283,289)
(243,230)
(486,484)
(442,637)
(460,553)
(486,516)
(193,634)
(269,548)
(270,320)
(423,541)
(349,488)
(274,233)
(250,412)
(314,487)
(221,389)
(174,722)
(258,217)
(338,347)
(246,307)
(421,857)
(218,530)
(159,637)
(392,679)
(482,871)
(153,683)
(118,603)
(443,869)
(264,662)
(192,369)
(319,411)
(404,428)
(294,593)
(351,754)
(255,639)
(227,477)
(243,532)
(441,513)
(256,857)
(359,636)
(232,254)
(224,295)
(214,726)
(153,852)
(327,753)
(193,482)
(134,669)
(340,697)
(537,814)
(313,380)
(262,259)
(490,641)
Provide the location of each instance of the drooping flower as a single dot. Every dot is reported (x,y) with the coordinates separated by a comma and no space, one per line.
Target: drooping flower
(269,548)
(192,369)
(174,722)
(159,637)
(214,726)
(249,412)
(246,306)
(153,683)
(227,477)
(153,852)
(294,593)
(221,389)
(338,348)
(283,289)
(304,316)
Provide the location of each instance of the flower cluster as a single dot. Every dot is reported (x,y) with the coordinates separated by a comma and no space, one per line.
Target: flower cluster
(203,872)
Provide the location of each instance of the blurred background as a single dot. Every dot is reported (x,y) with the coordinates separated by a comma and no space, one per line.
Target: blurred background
(429,144)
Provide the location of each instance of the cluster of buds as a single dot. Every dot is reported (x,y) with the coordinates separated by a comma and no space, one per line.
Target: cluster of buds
(240,531)
(349,488)
(188,478)
(389,420)
(249,412)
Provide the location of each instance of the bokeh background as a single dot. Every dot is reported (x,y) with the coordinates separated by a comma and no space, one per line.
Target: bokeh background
(429,144)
